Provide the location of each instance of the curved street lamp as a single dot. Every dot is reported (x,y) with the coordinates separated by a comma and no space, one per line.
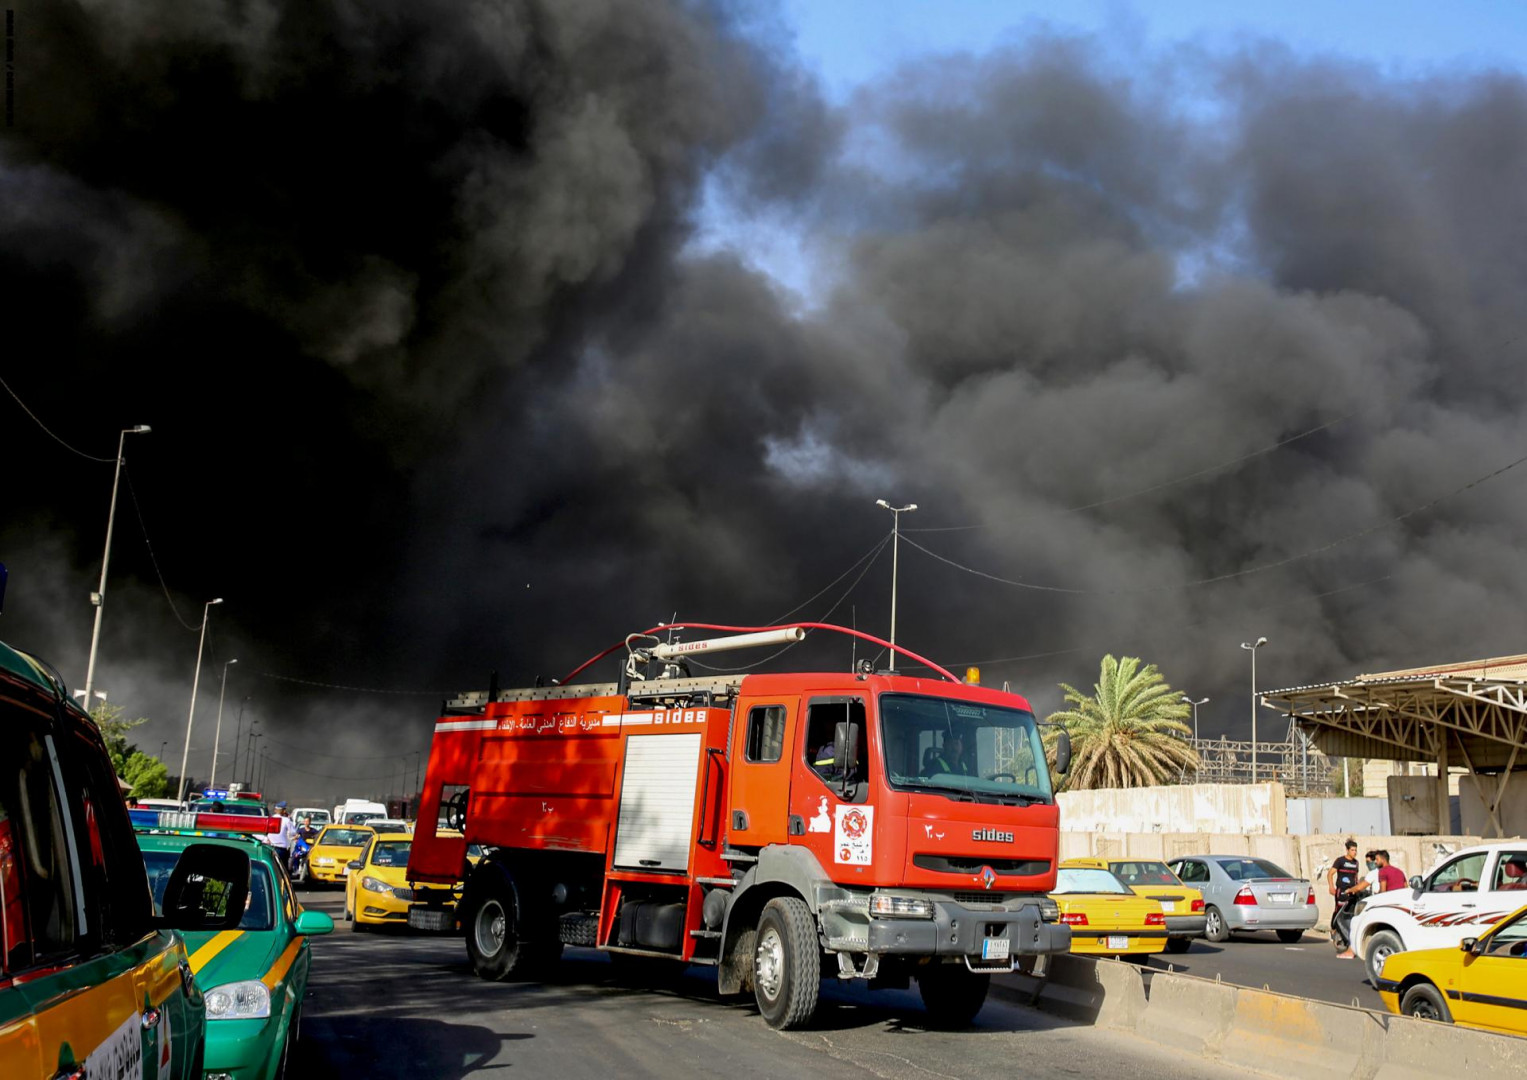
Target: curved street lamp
(896,512)
(1253,646)
(185,754)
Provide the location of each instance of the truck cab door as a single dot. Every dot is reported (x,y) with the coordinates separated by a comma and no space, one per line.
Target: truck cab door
(759,806)
(830,792)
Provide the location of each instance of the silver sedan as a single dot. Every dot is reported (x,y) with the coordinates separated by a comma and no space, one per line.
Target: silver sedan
(1244,894)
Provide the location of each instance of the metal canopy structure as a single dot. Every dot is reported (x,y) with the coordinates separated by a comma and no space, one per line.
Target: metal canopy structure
(1472,714)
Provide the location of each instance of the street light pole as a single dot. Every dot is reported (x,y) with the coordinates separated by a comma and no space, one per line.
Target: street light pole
(238,737)
(185,755)
(1195,704)
(1253,646)
(99,599)
(896,512)
(218,737)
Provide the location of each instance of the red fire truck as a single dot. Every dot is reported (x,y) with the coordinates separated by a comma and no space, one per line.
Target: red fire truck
(780,827)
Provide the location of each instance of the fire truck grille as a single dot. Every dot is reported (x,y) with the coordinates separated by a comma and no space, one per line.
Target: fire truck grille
(980,897)
(973,864)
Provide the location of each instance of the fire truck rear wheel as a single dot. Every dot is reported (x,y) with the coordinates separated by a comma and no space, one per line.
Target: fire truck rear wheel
(952,994)
(501,943)
(787,964)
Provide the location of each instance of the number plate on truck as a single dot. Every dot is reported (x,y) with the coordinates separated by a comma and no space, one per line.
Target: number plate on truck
(431,919)
(1118,941)
(994,948)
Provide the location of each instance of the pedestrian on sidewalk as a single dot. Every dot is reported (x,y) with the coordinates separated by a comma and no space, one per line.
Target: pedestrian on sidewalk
(1340,880)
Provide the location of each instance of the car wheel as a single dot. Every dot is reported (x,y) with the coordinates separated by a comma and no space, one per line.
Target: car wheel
(952,994)
(1289,937)
(1381,947)
(1214,925)
(787,964)
(1425,1002)
(1178,944)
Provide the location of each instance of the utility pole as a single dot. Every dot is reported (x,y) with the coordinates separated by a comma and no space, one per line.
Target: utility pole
(896,512)
(98,598)
(195,685)
(1195,704)
(218,737)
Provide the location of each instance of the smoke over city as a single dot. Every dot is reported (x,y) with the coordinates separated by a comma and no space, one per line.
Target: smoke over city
(450,372)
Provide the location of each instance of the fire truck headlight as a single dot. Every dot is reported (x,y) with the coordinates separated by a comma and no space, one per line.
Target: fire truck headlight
(901,907)
(1049,910)
(373,885)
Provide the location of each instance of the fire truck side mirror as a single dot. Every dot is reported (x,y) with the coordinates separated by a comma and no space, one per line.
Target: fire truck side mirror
(1063,753)
(846,738)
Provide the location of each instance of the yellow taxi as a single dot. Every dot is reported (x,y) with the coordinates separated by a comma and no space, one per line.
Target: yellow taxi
(377,891)
(1480,984)
(334,849)
(1182,904)
(1105,915)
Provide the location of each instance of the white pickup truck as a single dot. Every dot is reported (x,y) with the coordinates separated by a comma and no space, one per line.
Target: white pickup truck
(1468,892)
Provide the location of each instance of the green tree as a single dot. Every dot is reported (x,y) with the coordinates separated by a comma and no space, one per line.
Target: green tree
(147,774)
(1129,732)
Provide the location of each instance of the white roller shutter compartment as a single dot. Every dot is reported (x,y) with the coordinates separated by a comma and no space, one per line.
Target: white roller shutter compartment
(657,802)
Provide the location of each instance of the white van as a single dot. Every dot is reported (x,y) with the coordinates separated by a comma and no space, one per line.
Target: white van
(1469,892)
(358,812)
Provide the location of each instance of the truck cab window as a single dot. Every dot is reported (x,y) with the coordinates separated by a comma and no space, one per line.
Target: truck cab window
(766,733)
(822,751)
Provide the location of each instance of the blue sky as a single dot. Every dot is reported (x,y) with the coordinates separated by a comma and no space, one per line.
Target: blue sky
(851,42)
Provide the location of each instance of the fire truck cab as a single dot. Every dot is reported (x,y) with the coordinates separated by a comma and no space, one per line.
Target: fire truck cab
(780,827)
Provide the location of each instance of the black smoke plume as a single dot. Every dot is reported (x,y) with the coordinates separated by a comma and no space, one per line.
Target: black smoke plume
(443,380)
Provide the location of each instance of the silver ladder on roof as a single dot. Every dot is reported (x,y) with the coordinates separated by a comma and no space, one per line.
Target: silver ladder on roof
(720,688)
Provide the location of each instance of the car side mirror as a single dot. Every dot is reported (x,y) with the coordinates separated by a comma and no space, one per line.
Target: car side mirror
(207,889)
(313,923)
(1417,884)
(1063,753)
(846,736)
(354,864)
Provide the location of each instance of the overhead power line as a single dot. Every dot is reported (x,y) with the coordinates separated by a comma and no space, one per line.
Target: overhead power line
(1223,465)
(352,689)
(49,432)
(1247,571)
(154,559)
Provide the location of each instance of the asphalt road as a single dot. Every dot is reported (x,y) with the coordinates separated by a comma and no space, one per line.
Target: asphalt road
(1309,969)
(383,1005)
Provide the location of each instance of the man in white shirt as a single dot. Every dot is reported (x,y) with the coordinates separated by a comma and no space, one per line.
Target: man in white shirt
(287,833)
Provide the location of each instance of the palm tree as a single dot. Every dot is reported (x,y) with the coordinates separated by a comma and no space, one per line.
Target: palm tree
(1130,732)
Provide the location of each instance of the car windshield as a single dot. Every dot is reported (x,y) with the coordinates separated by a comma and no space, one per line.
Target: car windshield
(1087,880)
(259,914)
(984,751)
(391,853)
(359,818)
(345,837)
(1144,873)
(210,806)
(1251,869)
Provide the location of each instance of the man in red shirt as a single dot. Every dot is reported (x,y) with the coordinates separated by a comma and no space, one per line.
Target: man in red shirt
(1390,877)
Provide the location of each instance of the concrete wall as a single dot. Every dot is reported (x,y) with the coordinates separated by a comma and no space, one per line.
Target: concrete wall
(1355,817)
(1513,808)
(1182,808)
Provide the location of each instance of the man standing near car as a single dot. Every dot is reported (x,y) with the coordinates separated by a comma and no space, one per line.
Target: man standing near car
(1391,877)
(1340,880)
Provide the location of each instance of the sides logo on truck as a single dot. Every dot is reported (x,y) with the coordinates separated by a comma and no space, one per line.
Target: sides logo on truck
(994,835)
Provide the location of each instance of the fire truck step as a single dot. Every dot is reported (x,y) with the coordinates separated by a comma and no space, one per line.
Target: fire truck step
(724,882)
(705,933)
(576,928)
(739,856)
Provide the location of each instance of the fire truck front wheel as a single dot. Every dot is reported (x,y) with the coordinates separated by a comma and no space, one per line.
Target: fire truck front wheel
(952,994)
(787,964)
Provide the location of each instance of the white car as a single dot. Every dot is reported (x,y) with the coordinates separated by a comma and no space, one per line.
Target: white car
(1469,892)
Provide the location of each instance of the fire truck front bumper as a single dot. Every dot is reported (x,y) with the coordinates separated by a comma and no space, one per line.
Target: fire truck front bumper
(991,935)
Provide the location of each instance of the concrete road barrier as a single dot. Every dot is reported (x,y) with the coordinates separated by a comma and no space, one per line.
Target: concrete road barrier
(1426,1050)
(1258,1029)
(1314,1038)
(1188,1013)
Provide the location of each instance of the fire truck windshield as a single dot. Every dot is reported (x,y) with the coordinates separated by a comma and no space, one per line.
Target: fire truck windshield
(982,752)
